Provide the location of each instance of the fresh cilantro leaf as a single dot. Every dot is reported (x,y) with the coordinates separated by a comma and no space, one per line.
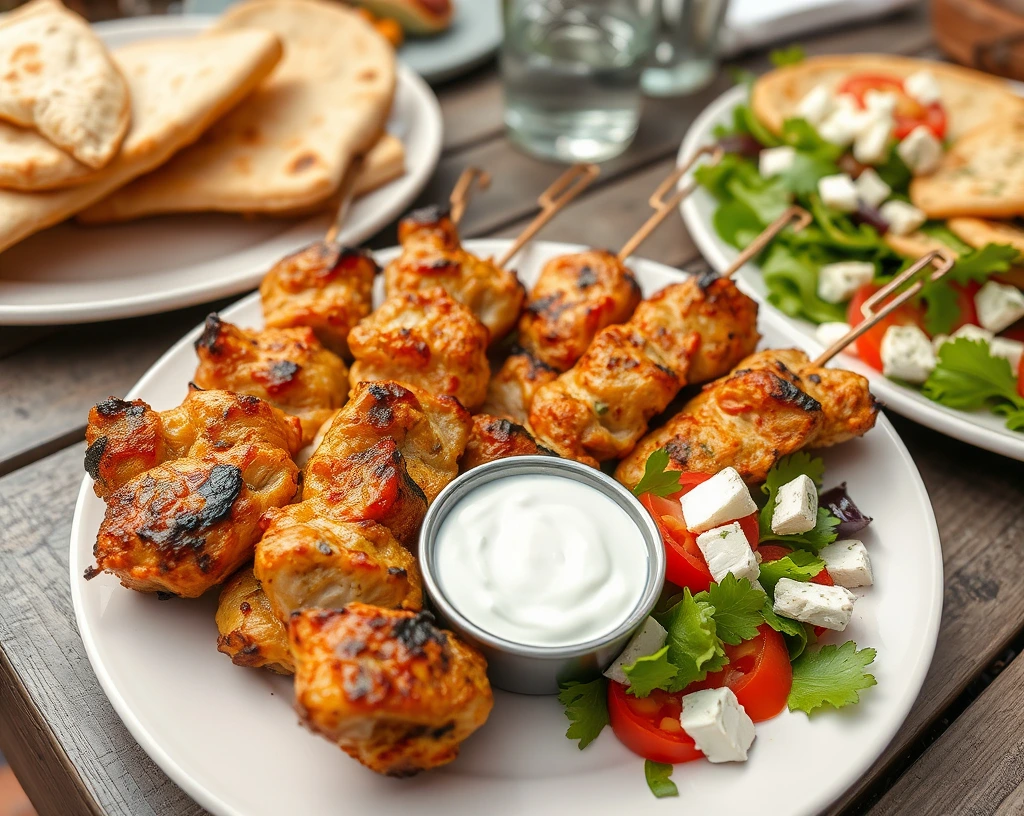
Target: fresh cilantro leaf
(831,675)
(659,780)
(656,479)
(941,308)
(737,605)
(799,565)
(790,55)
(693,644)
(794,632)
(586,706)
(968,377)
(824,532)
(650,673)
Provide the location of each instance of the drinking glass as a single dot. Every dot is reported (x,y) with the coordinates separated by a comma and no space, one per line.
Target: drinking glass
(685,56)
(571,71)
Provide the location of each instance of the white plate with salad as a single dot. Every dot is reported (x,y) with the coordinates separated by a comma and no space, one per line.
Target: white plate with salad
(229,737)
(866,226)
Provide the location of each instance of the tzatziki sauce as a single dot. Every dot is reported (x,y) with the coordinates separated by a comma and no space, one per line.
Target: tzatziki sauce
(540,559)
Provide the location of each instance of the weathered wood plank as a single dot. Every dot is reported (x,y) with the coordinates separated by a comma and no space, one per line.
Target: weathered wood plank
(979,760)
(44,660)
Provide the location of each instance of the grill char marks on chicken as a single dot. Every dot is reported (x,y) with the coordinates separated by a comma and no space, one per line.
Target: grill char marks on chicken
(250,633)
(493,438)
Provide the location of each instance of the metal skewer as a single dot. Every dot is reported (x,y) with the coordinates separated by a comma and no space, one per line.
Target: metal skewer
(662,206)
(347,192)
(563,190)
(942,262)
(463,190)
(795,216)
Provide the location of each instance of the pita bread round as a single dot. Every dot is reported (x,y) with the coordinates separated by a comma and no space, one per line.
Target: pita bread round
(969,97)
(57,78)
(288,146)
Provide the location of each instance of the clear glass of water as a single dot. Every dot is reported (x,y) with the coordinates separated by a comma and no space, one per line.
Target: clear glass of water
(571,71)
(685,57)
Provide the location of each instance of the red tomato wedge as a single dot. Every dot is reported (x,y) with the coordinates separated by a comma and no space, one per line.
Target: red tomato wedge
(649,726)
(965,293)
(909,113)
(869,344)
(759,673)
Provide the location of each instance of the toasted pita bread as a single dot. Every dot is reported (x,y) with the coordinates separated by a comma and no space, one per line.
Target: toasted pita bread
(383,163)
(969,97)
(982,174)
(57,78)
(915,245)
(179,87)
(978,232)
(288,147)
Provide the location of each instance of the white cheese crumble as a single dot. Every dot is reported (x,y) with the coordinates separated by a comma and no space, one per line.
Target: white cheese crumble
(999,305)
(907,354)
(837,282)
(796,507)
(648,639)
(726,550)
(920,151)
(724,497)
(775,160)
(717,723)
(838,192)
(871,189)
(902,218)
(816,604)
(848,563)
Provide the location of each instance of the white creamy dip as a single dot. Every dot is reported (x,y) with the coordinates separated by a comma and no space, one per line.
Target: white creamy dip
(541,560)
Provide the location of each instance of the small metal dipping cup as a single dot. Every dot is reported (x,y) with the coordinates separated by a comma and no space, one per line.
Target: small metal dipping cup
(540,669)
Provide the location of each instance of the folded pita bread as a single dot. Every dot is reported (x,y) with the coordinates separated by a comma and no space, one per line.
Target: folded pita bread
(969,97)
(384,162)
(57,78)
(288,146)
(178,87)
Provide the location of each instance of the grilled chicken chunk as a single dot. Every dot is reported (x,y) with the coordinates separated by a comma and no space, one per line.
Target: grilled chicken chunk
(599,409)
(493,438)
(286,367)
(427,339)
(747,420)
(512,389)
(575,297)
(305,561)
(250,633)
(325,287)
(391,689)
(432,256)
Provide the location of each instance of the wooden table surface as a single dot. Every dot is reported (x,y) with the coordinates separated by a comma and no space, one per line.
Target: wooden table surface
(960,750)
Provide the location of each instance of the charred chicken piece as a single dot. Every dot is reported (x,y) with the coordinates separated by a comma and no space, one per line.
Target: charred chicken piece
(286,367)
(512,389)
(747,420)
(493,438)
(305,561)
(426,339)
(575,297)
(250,633)
(432,256)
(391,689)
(128,438)
(325,287)
(848,407)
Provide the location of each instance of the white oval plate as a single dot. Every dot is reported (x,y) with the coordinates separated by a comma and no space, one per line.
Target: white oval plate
(229,737)
(75,274)
(979,428)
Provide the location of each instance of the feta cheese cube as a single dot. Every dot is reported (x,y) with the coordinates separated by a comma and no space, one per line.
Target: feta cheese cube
(902,218)
(871,189)
(923,87)
(907,354)
(972,332)
(827,606)
(920,150)
(726,550)
(647,640)
(796,507)
(872,144)
(837,282)
(1011,350)
(999,305)
(776,160)
(829,334)
(845,122)
(880,101)
(721,498)
(816,105)
(847,562)
(715,720)
(838,192)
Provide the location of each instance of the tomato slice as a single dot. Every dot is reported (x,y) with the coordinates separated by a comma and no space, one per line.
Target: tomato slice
(869,344)
(965,293)
(1015,332)
(649,726)
(909,113)
(759,673)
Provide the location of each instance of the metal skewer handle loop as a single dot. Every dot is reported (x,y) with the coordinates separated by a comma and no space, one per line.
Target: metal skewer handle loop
(796,217)
(463,190)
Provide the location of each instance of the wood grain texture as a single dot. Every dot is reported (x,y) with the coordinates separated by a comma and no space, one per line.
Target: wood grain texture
(979,760)
(44,660)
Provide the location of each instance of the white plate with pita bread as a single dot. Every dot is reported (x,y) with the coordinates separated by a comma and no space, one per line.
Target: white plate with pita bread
(981,429)
(112,268)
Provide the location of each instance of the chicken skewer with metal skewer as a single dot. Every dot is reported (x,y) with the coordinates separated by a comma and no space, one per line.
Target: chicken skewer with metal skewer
(776,402)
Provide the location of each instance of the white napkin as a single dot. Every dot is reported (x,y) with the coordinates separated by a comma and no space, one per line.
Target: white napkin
(754,23)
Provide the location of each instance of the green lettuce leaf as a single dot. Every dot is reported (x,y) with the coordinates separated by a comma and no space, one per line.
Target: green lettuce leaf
(650,672)
(658,775)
